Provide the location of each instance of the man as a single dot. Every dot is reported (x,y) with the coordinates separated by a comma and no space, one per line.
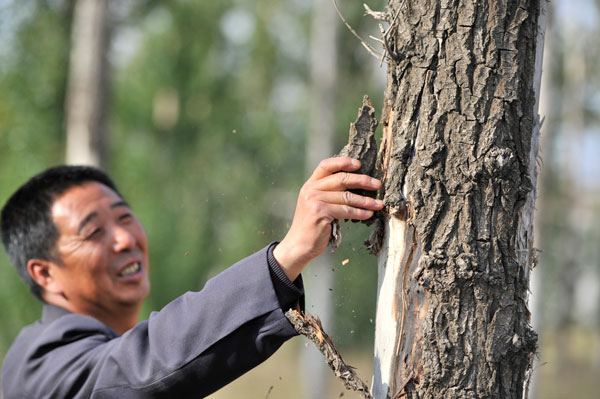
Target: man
(78,245)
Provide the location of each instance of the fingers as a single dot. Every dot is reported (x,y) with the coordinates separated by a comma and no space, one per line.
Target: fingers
(347,205)
(326,190)
(343,181)
(332,165)
(329,212)
(350,199)
(329,205)
(346,212)
(330,176)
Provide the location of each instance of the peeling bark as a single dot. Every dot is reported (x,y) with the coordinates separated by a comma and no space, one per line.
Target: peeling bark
(460,137)
(311,328)
(362,146)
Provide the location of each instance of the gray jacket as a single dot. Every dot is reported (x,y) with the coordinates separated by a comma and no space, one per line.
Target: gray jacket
(195,345)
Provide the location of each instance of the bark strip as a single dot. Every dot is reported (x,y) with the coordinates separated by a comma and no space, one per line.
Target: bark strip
(311,328)
(362,146)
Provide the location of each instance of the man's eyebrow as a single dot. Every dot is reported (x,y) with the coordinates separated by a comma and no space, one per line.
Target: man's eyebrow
(119,203)
(94,214)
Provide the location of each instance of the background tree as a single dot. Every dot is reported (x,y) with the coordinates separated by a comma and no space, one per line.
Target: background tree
(569,267)
(320,139)
(87,90)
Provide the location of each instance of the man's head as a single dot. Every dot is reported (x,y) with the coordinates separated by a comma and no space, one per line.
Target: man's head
(71,236)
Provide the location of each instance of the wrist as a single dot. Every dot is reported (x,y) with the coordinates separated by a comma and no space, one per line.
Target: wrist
(291,263)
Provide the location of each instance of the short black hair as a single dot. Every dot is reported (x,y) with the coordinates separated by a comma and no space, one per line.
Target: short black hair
(28,231)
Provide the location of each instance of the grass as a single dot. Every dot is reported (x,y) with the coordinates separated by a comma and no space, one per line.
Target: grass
(569,365)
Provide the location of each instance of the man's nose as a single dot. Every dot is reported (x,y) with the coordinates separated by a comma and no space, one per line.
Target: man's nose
(123,239)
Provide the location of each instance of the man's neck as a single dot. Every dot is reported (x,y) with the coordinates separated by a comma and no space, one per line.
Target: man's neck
(121,320)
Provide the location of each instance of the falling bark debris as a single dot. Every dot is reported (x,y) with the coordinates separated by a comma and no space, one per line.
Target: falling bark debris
(311,327)
(362,146)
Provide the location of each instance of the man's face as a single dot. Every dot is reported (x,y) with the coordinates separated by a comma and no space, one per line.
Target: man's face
(102,250)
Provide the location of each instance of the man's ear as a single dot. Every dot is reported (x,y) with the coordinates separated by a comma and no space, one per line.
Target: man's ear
(43,272)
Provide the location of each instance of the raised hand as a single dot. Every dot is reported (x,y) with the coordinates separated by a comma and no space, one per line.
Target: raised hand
(323,198)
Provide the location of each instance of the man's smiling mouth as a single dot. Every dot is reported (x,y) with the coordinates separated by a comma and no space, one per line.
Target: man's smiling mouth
(131,269)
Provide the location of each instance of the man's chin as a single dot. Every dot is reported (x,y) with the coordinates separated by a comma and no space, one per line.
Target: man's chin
(134,299)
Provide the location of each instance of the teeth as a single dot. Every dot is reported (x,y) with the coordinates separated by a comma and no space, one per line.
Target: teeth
(131,269)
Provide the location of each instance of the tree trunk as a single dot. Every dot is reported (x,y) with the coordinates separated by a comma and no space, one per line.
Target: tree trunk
(458,160)
(88,83)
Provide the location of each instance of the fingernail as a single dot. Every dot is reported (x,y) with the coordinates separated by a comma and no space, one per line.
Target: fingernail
(355,162)
(375,182)
(379,202)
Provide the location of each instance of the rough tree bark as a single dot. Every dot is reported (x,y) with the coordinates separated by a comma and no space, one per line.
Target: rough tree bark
(86,105)
(458,160)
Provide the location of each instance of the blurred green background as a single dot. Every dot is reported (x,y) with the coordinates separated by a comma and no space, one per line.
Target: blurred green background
(209,111)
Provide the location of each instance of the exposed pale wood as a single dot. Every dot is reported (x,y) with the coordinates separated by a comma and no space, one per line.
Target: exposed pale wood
(526,252)
(395,262)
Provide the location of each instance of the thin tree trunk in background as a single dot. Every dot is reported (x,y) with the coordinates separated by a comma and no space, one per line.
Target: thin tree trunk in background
(86,105)
(570,260)
(574,124)
(549,104)
(323,64)
(458,157)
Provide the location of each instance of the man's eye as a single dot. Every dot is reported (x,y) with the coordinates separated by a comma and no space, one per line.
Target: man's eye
(94,233)
(125,216)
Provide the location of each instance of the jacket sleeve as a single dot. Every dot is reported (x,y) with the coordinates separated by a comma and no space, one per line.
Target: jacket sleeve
(192,347)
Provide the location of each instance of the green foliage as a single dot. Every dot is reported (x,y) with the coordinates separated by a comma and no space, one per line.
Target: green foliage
(32,85)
